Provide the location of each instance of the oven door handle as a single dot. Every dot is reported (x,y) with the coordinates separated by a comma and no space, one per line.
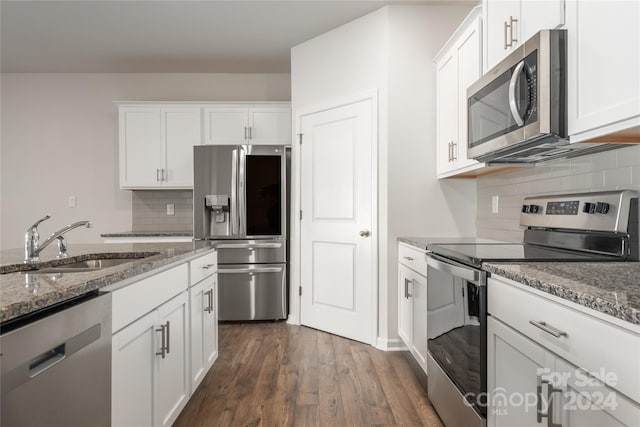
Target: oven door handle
(450,267)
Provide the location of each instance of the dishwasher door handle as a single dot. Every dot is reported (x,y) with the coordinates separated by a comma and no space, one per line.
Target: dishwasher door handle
(46,360)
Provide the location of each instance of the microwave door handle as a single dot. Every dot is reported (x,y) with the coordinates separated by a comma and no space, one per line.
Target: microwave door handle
(513,105)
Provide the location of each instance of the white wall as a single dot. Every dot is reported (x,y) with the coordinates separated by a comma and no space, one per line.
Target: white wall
(612,170)
(391,51)
(418,203)
(59,138)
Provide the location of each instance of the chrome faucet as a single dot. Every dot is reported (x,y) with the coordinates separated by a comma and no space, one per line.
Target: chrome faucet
(32,246)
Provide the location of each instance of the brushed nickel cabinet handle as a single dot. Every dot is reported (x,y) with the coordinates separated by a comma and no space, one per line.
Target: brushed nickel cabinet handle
(548,329)
(161,353)
(408,258)
(168,337)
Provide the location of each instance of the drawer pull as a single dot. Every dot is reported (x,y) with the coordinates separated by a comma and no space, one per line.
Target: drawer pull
(548,329)
(408,258)
(208,266)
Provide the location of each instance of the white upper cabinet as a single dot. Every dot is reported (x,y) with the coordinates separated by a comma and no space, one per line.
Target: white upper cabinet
(156,146)
(458,65)
(181,130)
(140,146)
(603,45)
(225,125)
(509,23)
(253,124)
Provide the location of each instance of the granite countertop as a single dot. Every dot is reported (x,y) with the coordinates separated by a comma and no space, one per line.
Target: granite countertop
(612,288)
(149,234)
(22,291)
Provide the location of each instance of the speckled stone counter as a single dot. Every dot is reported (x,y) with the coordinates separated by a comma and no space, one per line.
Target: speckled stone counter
(24,291)
(610,288)
(149,234)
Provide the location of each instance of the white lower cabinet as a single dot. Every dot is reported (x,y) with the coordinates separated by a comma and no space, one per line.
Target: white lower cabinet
(203,309)
(514,366)
(412,303)
(166,341)
(150,385)
(549,363)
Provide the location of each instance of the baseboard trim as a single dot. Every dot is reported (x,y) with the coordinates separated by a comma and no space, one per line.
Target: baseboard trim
(291,320)
(394,344)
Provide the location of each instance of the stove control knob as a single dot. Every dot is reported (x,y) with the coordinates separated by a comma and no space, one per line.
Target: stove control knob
(525,208)
(602,208)
(589,208)
(534,209)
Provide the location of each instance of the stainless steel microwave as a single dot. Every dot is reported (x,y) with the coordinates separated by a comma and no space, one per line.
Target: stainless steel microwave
(517,112)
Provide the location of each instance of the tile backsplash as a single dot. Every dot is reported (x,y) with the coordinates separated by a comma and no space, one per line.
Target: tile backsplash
(611,170)
(150,210)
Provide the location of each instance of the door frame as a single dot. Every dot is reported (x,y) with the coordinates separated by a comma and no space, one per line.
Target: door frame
(296,198)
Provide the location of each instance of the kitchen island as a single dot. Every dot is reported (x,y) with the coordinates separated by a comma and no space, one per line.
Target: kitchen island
(24,291)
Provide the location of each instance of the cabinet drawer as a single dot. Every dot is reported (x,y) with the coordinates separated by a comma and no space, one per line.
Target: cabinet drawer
(413,258)
(137,299)
(607,351)
(203,267)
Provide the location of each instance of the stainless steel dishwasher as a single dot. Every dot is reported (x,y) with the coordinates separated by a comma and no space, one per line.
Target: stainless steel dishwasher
(56,370)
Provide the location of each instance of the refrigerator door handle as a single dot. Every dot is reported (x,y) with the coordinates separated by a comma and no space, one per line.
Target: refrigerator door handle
(233,215)
(242,191)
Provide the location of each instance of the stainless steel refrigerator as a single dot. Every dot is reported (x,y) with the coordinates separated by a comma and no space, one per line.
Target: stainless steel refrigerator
(240,200)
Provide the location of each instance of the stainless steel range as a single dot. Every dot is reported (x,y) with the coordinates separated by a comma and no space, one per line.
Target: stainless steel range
(586,227)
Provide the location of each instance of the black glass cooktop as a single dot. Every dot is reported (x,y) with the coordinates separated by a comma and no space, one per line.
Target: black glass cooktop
(476,254)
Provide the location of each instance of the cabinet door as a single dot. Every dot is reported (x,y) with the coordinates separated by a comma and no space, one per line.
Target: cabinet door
(203,328)
(140,147)
(603,37)
(447,100)
(172,387)
(405,305)
(540,15)
(225,125)
(469,64)
(498,15)
(514,364)
(419,318)
(132,373)
(585,401)
(270,125)
(181,130)
(210,325)
(198,303)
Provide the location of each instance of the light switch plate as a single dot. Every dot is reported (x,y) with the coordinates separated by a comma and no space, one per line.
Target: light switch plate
(171,209)
(72,201)
(495,204)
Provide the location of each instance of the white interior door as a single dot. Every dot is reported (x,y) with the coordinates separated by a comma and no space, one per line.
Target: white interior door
(337,239)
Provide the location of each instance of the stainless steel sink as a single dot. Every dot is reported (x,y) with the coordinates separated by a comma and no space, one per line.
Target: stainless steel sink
(87,265)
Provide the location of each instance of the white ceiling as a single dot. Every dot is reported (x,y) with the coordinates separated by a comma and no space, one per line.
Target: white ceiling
(233,36)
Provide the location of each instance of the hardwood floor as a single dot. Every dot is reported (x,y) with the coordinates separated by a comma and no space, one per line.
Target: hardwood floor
(275,374)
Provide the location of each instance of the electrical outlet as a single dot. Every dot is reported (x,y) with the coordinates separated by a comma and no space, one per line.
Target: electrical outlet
(171,209)
(495,204)
(72,201)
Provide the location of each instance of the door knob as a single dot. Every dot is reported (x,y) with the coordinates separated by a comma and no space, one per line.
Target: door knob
(364,233)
